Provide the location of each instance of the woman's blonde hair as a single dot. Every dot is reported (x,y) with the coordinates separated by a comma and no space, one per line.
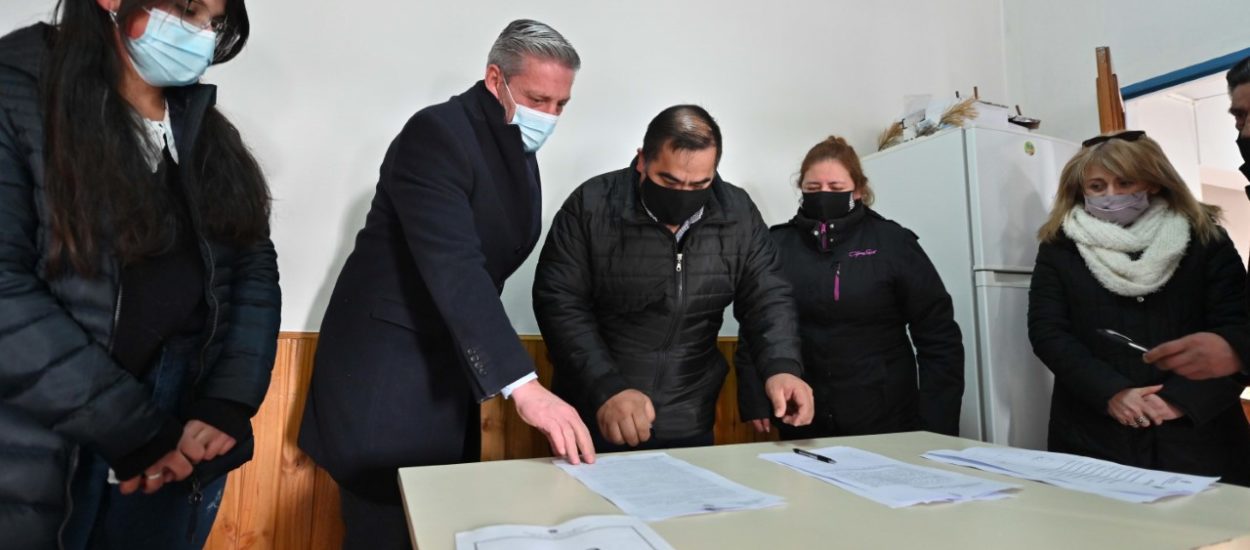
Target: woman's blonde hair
(1139,159)
(837,149)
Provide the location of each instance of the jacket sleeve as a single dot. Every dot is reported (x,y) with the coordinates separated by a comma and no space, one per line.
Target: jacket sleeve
(1050,331)
(753,403)
(564,306)
(52,371)
(428,177)
(939,345)
(236,384)
(1226,316)
(764,304)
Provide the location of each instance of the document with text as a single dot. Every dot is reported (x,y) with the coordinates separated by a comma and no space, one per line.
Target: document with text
(1078,473)
(656,486)
(890,482)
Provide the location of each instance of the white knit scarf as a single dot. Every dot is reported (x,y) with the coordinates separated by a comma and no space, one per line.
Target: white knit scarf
(1160,234)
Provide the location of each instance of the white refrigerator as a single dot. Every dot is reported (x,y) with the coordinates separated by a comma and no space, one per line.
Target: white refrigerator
(976,197)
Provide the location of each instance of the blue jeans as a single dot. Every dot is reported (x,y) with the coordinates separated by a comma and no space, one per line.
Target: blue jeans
(174,518)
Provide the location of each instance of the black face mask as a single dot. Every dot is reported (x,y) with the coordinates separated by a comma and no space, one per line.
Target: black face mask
(1243,145)
(672,206)
(827,205)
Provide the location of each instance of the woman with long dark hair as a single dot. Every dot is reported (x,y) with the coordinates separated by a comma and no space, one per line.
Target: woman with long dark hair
(139,300)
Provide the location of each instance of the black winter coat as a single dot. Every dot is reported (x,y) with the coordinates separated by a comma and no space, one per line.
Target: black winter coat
(415,334)
(857,302)
(1067,305)
(60,389)
(623,305)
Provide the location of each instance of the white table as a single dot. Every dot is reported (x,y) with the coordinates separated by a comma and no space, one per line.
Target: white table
(443,500)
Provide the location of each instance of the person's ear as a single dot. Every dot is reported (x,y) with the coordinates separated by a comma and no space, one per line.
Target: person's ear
(641,165)
(109,5)
(493,78)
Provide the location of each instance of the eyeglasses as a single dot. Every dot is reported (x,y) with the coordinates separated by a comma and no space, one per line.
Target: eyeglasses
(1131,135)
(195,16)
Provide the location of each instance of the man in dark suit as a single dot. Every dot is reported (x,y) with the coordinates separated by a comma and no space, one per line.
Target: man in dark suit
(415,336)
(1205,355)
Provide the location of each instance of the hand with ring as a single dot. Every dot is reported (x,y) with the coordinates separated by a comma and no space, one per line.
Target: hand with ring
(1131,407)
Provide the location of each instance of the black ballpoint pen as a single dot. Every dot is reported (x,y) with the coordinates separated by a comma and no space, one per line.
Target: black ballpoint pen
(810,454)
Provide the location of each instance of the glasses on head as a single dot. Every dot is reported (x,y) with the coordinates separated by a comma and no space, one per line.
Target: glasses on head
(1131,135)
(193,14)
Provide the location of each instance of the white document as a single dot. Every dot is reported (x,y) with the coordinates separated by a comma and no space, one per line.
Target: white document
(656,486)
(891,482)
(601,532)
(1077,473)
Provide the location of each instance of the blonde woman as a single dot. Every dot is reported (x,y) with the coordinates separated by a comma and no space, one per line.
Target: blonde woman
(1128,248)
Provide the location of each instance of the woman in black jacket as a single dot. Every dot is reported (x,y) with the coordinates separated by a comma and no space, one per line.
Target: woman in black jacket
(139,297)
(861,284)
(1128,248)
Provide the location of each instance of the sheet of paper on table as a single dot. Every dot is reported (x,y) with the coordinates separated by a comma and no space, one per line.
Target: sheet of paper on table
(603,532)
(891,482)
(1078,473)
(656,486)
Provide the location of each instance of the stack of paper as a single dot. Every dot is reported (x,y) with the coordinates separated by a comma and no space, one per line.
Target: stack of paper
(1077,473)
(656,486)
(608,532)
(891,482)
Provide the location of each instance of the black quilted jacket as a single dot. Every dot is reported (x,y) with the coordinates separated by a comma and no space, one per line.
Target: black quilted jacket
(623,305)
(60,389)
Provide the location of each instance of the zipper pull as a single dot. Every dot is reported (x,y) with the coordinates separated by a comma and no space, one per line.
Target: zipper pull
(837,281)
(194,499)
(679,255)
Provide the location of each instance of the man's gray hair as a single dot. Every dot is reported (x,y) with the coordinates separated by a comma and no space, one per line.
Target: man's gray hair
(528,37)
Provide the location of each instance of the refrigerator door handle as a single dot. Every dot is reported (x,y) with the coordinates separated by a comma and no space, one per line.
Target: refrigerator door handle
(1004,279)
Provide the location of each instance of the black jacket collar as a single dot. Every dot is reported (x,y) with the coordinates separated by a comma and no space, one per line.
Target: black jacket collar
(834,232)
(24,49)
(483,107)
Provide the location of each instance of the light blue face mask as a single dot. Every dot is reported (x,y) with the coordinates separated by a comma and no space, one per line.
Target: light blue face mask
(171,53)
(536,126)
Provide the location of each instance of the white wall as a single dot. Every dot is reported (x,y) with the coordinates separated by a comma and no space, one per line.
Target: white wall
(1171,121)
(322,89)
(1236,215)
(1050,49)
(1217,137)
(1192,124)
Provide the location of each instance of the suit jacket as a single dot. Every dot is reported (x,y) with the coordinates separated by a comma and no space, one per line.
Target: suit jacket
(415,334)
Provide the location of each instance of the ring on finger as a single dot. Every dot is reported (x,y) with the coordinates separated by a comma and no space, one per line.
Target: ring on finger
(156,475)
(1143,421)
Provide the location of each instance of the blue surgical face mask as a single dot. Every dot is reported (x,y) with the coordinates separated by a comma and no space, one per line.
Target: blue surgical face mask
(170,52)
(536,126)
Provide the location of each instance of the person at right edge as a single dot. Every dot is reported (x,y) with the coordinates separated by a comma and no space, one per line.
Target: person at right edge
(1203,355)
(861,284)
(1129,249)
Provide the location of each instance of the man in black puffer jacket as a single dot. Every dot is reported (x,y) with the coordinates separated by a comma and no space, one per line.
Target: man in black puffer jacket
(632,284)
